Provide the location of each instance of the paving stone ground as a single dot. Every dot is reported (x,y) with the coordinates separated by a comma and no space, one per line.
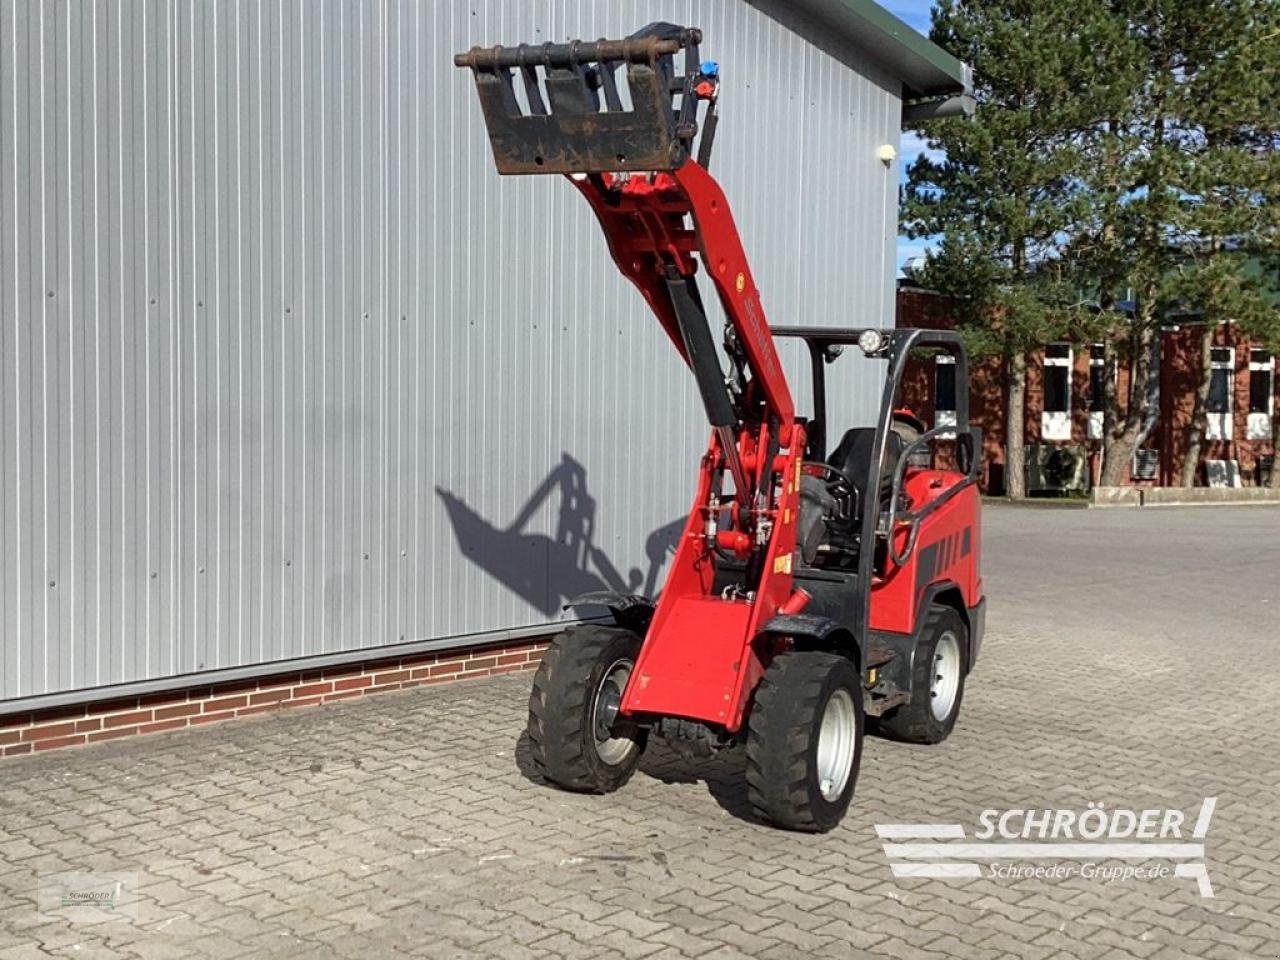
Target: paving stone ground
(1131,659)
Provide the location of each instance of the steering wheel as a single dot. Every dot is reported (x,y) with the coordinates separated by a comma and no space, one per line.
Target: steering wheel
(836,478)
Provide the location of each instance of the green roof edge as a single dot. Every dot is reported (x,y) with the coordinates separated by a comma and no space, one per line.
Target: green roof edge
(926,70)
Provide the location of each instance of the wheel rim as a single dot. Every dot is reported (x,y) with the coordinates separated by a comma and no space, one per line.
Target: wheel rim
(837,744)
(946,676)
(610,748)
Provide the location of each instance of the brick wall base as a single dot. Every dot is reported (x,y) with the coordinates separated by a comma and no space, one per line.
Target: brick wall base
(152,713)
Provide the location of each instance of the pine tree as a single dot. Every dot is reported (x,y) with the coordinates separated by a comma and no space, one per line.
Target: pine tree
(1180,183)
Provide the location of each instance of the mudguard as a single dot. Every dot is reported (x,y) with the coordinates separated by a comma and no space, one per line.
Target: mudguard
(629,611)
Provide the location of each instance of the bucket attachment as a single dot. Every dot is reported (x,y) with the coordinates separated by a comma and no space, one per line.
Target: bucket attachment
(573,118)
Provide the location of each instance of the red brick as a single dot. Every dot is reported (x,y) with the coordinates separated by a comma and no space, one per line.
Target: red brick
(163,725)
(213,717)
(226,703)
(261,708)
(481,663)
(394,676)
(48,730)
(270,696)
(112,734)
(444,669)
(311,690)
(474,674)
(233,686)
(163,699)
(420,673)
(16,749)
(352,683)
(51,714)
(15,720)
(180,710)
(115,706)
(506,658)
(127,719)
(86,726)
(342,695)
(60,742)
(344,670)
(9,736)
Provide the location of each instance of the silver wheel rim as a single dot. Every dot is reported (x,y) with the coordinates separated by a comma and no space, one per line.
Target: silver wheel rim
(837,743)
(945,682)
(611,749)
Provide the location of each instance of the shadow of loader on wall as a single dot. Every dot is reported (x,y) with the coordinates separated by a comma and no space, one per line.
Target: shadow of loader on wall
(546,572)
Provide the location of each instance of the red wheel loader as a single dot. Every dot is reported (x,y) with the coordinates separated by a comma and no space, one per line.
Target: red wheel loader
(815,591)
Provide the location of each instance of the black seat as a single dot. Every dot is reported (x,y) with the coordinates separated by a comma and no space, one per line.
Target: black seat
(830,519)
(853,454)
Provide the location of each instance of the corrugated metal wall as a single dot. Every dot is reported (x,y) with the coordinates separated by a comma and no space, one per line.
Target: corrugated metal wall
(285,368)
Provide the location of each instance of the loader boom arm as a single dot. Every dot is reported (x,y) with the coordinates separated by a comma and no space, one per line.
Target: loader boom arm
(557,109)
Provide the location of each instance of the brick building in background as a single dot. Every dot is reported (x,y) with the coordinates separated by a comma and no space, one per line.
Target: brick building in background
(1064,410)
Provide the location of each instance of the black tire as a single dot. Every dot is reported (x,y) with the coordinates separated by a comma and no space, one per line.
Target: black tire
(783,777)
(562,732)
(914,721)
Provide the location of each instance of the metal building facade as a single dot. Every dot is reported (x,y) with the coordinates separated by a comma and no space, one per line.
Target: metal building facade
(286,370)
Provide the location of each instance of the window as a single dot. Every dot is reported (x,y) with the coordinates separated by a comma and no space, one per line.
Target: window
(1097,389)
(1262,389)
(944,390)
(1055,421)
(1221,381)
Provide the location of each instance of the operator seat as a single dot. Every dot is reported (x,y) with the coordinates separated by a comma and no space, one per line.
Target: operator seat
(853,456)
(829,522)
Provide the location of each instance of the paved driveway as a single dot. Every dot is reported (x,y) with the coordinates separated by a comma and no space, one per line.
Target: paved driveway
(1131,660)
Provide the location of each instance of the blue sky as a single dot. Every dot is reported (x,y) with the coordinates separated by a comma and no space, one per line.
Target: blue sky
(916,14)
(913,12)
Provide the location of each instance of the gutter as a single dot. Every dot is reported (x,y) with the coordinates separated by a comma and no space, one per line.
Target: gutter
(934,83)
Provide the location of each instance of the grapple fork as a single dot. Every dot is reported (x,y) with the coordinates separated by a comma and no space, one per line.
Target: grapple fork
(573,118)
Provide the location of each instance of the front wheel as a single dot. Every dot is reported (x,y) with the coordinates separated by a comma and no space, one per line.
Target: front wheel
(804,741)
(576,737)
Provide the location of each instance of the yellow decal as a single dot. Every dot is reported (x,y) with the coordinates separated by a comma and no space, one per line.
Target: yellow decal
(786,515)
(782,564)
(741,282)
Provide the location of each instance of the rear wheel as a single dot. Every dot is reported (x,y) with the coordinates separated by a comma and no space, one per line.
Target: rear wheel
(576,737)
(804,741)
(937,683)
